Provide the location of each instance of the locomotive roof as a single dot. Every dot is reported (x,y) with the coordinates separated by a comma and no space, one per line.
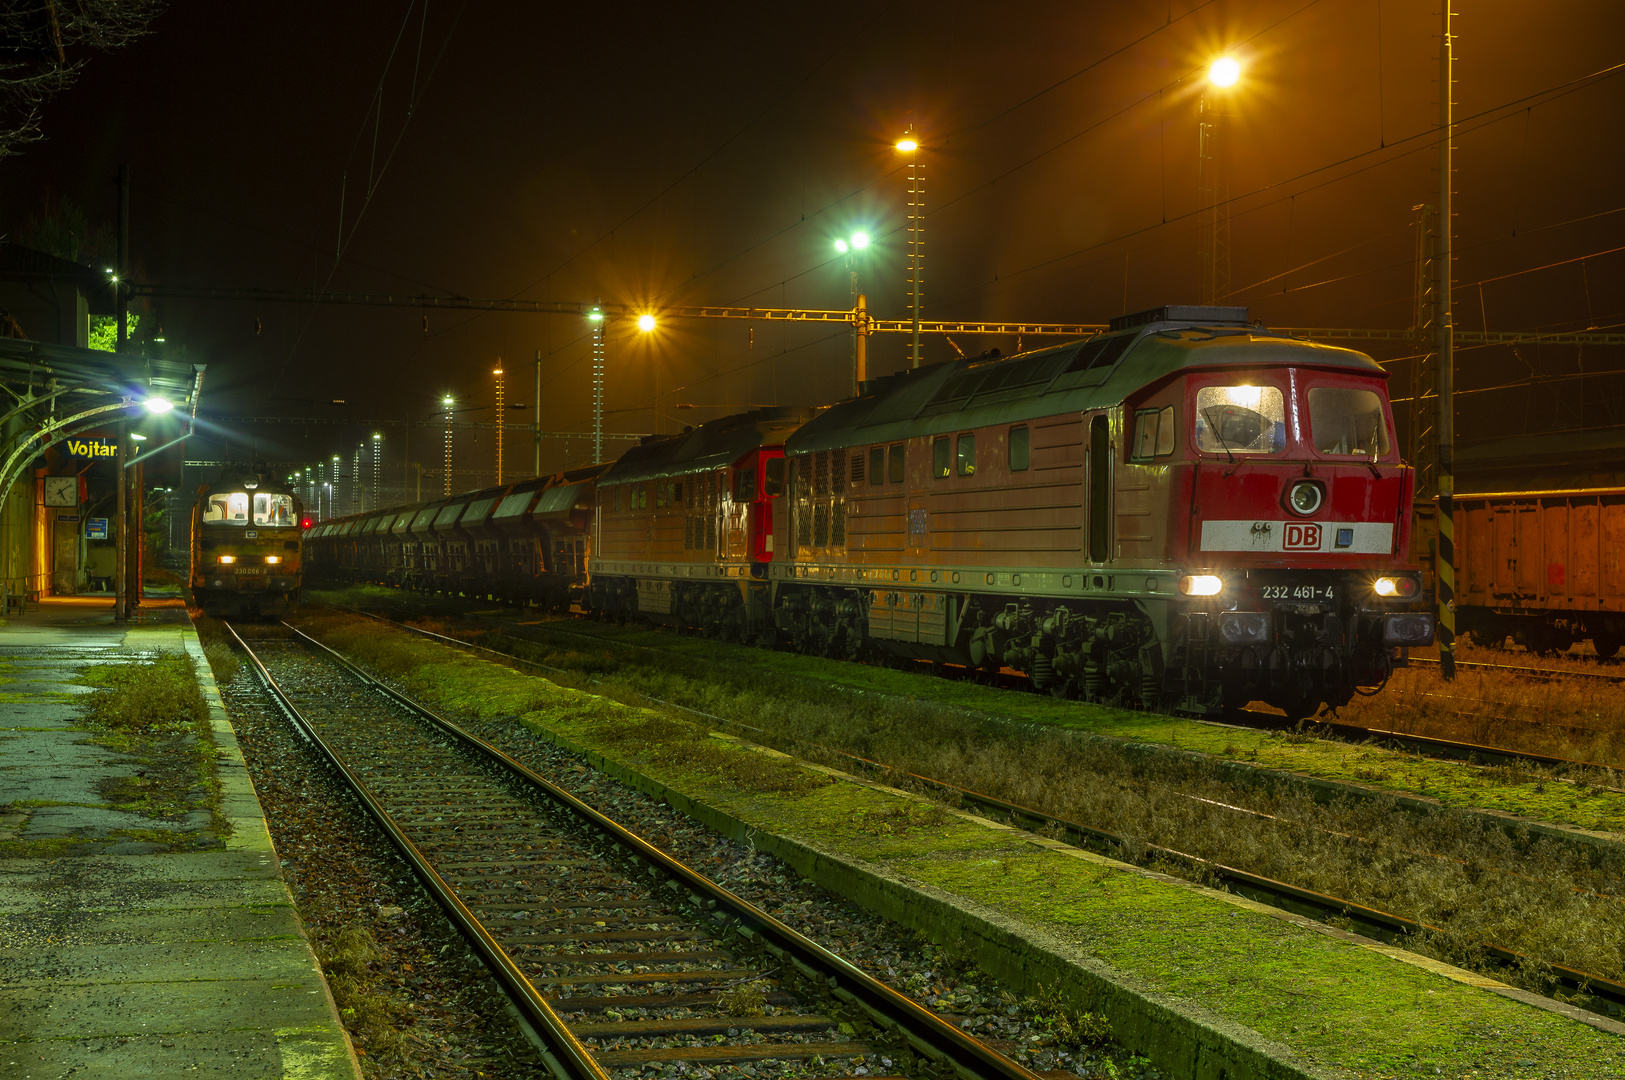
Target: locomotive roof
(1087,374)
(712,445)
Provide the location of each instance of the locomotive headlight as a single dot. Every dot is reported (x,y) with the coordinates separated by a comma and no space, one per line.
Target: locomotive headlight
(1201,585)
(228,559)
(1395,586)
(1305,497)
(272,560)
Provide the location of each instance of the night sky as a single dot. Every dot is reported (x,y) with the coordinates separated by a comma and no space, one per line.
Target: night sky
(662,154)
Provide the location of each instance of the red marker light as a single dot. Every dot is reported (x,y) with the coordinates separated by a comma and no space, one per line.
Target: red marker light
(306,522)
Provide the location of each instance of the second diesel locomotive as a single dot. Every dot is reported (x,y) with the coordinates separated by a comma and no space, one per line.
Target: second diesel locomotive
(1187,512)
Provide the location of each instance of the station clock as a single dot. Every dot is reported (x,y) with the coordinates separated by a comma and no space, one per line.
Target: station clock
(61,491)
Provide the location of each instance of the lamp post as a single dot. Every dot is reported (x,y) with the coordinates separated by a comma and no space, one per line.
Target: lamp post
(910,145)
(377,466)
(502,418)
(1214,257)
(447,402)
(855,248)
(599,321)
(596,317)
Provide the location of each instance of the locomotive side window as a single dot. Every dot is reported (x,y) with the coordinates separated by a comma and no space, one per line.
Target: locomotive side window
(1240,420)
(1153,433)
(940,457)
(676,492)
(965,452)
(894,465)
(1346,420)
(744,485)
(1020,448)
(877,466)
(660,495)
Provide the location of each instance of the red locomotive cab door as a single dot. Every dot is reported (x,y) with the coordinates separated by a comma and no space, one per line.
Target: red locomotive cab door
(1098,490)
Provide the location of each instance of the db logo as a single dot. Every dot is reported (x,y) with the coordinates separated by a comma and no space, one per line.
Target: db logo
(1301,538)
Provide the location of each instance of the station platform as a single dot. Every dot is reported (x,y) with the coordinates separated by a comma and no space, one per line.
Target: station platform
(144,926)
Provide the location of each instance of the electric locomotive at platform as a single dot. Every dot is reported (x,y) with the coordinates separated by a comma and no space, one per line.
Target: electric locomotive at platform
(247,531)
(1186,512)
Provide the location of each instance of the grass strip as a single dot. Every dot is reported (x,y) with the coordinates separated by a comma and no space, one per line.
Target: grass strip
(1337,1004)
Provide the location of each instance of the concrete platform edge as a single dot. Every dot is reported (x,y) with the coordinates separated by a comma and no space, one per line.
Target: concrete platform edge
(240,805)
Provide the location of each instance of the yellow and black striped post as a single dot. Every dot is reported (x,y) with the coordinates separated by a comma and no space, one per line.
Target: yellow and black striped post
(1444,576)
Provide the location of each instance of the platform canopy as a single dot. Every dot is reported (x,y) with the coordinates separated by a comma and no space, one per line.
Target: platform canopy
(55,392)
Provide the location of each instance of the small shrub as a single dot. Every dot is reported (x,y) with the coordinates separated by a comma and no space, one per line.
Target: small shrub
(222,661)
(747,999)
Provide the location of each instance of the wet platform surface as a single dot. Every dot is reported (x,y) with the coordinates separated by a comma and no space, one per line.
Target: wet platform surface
(139,939)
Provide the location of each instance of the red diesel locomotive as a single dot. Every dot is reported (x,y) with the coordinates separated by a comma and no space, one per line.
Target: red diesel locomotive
(1187,512)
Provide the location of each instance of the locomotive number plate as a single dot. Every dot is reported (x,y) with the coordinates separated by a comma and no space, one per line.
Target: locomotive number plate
(250,570)
(1299,593)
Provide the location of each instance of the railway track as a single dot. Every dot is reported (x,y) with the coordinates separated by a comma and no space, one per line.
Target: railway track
(615,954)
(1600,994)
(1524,671)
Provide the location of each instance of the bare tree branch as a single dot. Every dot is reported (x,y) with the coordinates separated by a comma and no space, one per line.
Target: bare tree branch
(44,44)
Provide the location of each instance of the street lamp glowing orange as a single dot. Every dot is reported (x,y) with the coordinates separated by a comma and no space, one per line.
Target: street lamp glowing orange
(907,145)
(646,323)
(1224,72)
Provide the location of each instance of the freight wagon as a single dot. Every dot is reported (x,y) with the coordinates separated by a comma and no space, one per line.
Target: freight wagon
(1544,568)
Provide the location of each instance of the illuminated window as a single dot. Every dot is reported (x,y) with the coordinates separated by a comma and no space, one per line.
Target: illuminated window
(965,455)
(273,510)
(941,457)
(226,509)
(1240,420)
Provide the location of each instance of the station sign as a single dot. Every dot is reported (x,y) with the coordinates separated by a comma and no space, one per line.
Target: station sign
(95,528)
(91,448)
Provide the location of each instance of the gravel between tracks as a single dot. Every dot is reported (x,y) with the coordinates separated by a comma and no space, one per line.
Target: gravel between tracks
(415,1003)
(344,874)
